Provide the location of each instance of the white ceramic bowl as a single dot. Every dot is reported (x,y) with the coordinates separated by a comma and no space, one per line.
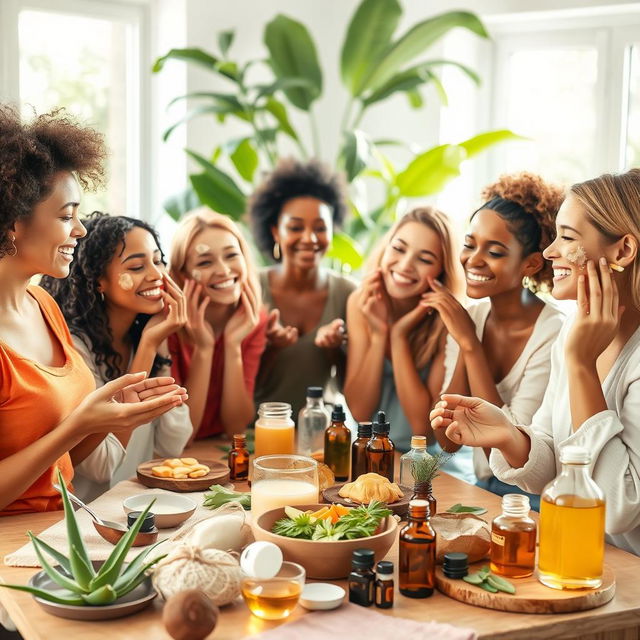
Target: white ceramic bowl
(321,596)
(170,509)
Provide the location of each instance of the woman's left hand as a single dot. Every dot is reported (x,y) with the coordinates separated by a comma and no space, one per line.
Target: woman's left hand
(598,314)
(172,317)
(332,335)
(244,320)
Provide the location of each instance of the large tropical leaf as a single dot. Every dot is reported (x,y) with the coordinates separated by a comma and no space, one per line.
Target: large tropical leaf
(356,152)
(200,111)
(417,40)
(344,249)
(481,142)
(279,112)
(245,159)
(281,84)
(199,57)
(225,40)
(368,36)
(181,203)
(225,99)
(293,55)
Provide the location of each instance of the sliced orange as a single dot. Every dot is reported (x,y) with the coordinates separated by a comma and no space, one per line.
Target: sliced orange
(319,513)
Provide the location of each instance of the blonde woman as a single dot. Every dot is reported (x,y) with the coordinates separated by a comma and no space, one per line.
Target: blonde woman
(218,353)
(593,396)
(396,344)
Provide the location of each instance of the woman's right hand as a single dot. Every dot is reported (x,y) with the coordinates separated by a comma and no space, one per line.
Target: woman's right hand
(472,421)
(126,403)
(277,335)
(198,329)
(372,302)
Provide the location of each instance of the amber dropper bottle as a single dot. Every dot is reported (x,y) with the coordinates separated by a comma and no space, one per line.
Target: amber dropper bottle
(239,458)
(380,449)
(337,444)
(359,463)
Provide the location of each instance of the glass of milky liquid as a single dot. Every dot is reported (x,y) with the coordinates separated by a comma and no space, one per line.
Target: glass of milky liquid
(283,481)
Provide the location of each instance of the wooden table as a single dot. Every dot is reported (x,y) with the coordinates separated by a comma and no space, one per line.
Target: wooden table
(619,619)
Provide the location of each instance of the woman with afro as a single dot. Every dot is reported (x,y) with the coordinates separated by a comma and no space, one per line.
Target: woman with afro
(499,348)
(293,214)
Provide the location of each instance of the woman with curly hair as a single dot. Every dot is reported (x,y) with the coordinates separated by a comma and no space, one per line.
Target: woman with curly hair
(51,416)
(217,354)
(121,307)
(293,214)
(593,397)
(499,349)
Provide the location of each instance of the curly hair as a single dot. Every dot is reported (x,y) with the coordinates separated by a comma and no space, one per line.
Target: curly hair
(294,179)
(30,154)
(78,297)
(529,205)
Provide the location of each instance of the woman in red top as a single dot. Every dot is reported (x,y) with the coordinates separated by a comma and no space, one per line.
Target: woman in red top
(50,414)
(217,356)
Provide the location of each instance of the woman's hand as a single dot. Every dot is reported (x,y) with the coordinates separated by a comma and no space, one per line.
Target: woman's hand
(456,319)
(243,321)
(471,421)
(277,335)
(598,315)
(332,335)
(172,317)
(198,330)
(373,304)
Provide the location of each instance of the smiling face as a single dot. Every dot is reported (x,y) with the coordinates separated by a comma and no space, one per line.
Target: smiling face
(413,256)
(304,232)
(133,277)
(215,260)
(492,257)
(46,240)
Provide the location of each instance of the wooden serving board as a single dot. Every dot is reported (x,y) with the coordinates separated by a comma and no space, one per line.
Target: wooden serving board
(219,474)
(399,507)
(531,596)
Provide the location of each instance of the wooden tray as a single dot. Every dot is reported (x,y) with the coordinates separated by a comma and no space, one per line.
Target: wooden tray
(399,507)
(531,596)
(219,474)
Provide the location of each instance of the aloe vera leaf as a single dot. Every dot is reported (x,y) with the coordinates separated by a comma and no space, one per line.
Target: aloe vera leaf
(136,580)
(500,584)
(110,570)
(60,596)
(474,578)
(63,561)
(73,532)
(81,572)
(56,576)
(103,595)
(488,587)
(134,566)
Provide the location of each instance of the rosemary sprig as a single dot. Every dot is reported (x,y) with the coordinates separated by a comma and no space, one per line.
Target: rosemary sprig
(426,470)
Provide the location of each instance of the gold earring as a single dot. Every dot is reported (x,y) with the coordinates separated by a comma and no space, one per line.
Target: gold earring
(276,251)
(528,283)
(14,250)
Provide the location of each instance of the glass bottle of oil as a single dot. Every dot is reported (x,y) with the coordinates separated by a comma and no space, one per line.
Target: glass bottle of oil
(337,444)
(513,538)
(239,458)
(380,449)
(359,461)
(572,519)
(417,556)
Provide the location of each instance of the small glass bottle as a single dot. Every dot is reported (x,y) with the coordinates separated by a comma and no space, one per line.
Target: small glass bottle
(417,565)
(313,419)
(384,585)
(239,458)
(418,451)
(424,491)
(362,577)
(275,430)
(359,451)
(572,521)
(337,444)
(513,538)
(380,449)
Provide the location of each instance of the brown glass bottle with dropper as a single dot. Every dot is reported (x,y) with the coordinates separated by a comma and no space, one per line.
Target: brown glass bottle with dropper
(380,449)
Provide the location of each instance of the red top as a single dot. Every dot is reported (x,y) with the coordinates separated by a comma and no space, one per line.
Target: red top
(252,347)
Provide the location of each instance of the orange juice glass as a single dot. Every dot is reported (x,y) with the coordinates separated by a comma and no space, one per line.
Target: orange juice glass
(275,430)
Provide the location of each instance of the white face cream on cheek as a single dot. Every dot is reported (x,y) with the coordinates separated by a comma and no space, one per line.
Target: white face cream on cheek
(196,274)
(125,281)
(577,256)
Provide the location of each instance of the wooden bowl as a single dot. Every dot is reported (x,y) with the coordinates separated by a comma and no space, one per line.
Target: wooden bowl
(325,560)
(218,474)
(142,539)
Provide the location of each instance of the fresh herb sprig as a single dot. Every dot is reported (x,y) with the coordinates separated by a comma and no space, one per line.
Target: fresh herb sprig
(300,527)
(489,581)
(426,470)
(218,495)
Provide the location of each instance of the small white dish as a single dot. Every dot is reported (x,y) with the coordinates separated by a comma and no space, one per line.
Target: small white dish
(318,596)
(170,509)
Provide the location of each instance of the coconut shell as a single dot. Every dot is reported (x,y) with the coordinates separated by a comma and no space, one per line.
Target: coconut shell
(461,532)
(189,615)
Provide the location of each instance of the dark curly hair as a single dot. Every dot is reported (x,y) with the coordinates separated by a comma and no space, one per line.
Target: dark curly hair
(78,296)
(30,154)
(294,179)
(529,205)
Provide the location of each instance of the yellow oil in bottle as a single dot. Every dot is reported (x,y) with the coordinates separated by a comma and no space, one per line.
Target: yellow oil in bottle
(571,552)
(271,600)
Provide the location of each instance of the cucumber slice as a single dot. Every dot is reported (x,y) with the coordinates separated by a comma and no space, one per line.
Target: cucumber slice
(500,584)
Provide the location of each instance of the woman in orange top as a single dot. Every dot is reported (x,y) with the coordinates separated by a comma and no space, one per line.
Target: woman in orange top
(50,414)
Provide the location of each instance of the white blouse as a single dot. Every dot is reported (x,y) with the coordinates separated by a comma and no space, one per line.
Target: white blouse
(110,462)
(523,388)
(612,436)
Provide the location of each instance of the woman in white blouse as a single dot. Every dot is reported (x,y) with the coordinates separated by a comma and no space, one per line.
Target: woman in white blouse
(499,348)
(121,307)
(593,396)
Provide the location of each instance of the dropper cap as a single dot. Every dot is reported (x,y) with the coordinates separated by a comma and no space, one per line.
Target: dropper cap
(338,414)
(381,425)
(364,429)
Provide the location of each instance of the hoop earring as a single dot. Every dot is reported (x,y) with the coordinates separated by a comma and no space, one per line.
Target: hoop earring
(276,251)
(101,295)
(14,250)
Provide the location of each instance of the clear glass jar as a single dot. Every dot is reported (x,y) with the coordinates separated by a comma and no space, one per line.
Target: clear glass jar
(313,419)
(275,430)
(417,452)
(572,521)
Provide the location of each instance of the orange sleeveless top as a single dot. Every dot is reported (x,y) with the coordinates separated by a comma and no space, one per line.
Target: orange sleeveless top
(34,399)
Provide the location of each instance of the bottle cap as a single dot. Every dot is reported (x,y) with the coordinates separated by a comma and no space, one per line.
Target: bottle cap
(418,442)
(314,392)
(239,439)
(363,558)
(338,415)
(455,565)
(574,454)
(148,524)
(384,567)
(261,559)
(381,425)
(364,429)
(516,504)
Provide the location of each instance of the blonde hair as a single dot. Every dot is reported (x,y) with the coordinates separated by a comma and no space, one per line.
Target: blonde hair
(426,337)
(190,227)
(612,205)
